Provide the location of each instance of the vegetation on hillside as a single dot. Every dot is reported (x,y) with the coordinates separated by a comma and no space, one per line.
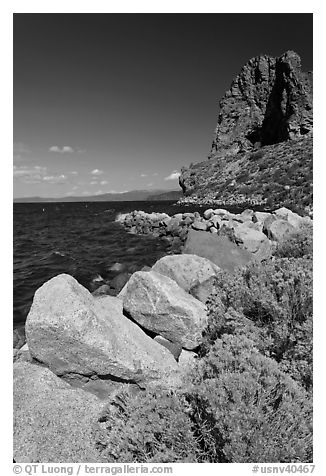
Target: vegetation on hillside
(249,398)
(274,175)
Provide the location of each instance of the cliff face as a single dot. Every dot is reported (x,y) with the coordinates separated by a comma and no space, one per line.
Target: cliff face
(270,101)
(262,148)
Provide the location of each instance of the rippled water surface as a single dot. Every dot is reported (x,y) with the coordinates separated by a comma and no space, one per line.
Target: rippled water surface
(80,239)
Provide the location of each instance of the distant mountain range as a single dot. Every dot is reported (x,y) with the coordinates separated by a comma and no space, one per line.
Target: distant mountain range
(132,196)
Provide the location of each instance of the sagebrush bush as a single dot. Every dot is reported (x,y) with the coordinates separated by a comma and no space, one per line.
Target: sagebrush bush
(298,244)
(246,410)
(272,303)
(152,426)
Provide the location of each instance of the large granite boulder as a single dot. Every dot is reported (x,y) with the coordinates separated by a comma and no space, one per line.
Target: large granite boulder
(279,229)
(253,240)
(218,249)
(261,217)
(293,218)
(73,333)
(53,423)
(158,304)
(187,270)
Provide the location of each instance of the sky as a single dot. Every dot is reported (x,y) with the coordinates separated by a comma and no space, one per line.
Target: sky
(117,102)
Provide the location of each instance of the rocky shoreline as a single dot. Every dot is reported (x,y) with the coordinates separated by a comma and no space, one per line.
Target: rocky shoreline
(254,231)
(82,349)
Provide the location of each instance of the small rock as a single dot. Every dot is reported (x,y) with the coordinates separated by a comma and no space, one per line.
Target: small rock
(178,216)
(188,220)
(119,281)
(217,221)
(187,360)
(24,354)
(199,225)
(103,290)
(208,213)
(220,211)
(117,267)
(247,214)
(146,268)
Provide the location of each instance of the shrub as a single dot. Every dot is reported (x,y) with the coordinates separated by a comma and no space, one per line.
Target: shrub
(273,303)
(246,410)
(298,244)
(152,426)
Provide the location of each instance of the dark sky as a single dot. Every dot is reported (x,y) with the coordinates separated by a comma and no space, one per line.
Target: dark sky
(115,102)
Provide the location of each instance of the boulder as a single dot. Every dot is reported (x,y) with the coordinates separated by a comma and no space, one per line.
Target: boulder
(119,281)
(220,211)
(52,422)
(19,338)
(267,224)
(173,227)
(202,290)
(229,223)
(293,218)
(160,305)
(187,360)
(71,332)
(208,213)
(166,221)
(247,214)
(217,221)
(218,249)
(260,217)
(175,349)
(187,220)
(253,240)
(103,290)
(188,271)
(199,225)
(254,225)
(279,230)
(23,354)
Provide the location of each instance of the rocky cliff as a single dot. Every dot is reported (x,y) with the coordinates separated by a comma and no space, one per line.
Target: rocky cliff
(262,147)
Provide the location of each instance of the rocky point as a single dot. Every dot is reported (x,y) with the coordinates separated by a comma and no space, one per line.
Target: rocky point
(262,148)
